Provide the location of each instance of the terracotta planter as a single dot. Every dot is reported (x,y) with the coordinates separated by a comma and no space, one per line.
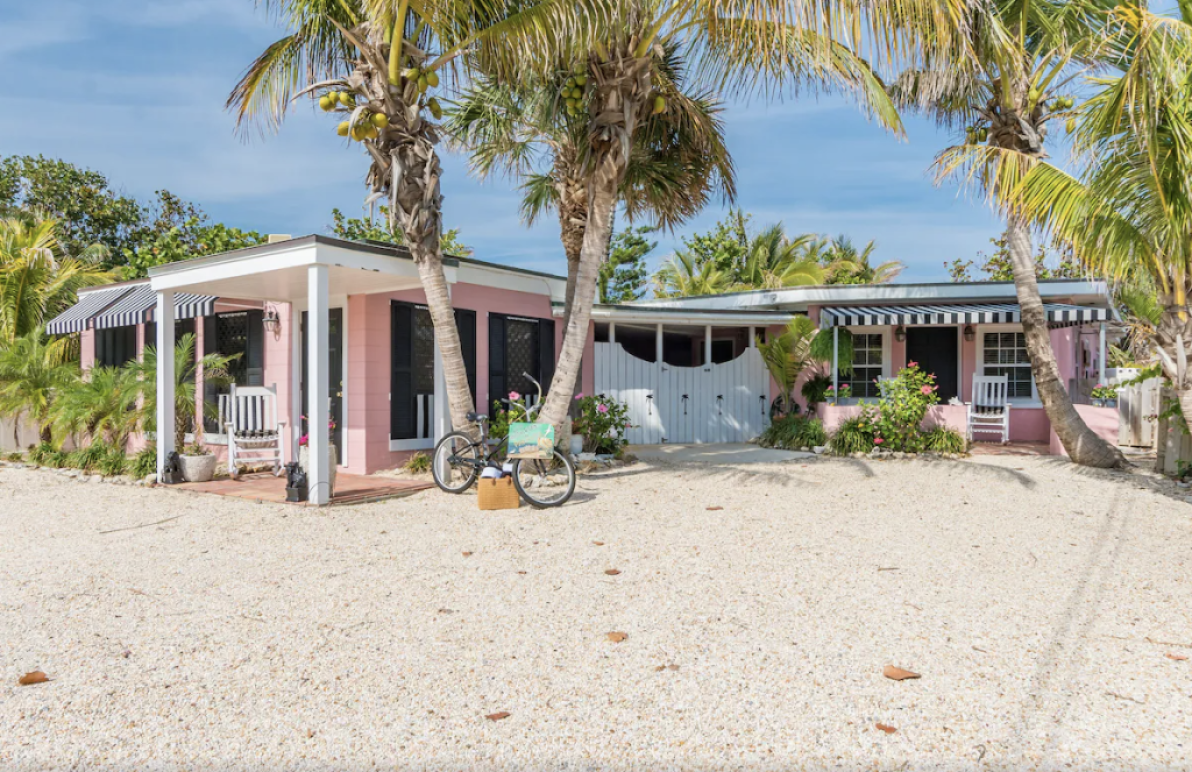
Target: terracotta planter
(197,468)
(304,462)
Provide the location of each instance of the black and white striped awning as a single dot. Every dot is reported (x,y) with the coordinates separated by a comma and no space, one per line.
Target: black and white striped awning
(78,317)
(1058,315)
(138,306)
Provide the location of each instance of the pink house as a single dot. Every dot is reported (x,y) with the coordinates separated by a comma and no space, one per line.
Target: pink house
(340,330)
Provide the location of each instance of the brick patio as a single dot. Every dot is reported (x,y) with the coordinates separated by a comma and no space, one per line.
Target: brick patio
(349,488)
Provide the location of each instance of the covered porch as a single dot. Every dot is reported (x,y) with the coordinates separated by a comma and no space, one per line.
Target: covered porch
(304,286)
(956,342)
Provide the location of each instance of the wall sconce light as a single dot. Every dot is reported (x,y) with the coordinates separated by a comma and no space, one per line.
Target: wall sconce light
(900,333)
(272,322)
(969,333)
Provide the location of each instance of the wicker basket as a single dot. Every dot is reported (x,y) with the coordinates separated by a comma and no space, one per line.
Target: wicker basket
(497,494)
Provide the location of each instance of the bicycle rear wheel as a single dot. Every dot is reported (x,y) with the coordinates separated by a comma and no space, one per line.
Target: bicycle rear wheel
(455,463)
(544,483)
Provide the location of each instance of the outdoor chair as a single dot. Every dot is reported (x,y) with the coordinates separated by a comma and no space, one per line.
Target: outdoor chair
(989,412)
(253,431)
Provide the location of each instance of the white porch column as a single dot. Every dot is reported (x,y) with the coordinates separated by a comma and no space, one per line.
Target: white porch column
(165,377)
(318,409)
(612,332)
(752,337)
(835,359)
(658,345)
(707,345)
(1101,359)
(296,407)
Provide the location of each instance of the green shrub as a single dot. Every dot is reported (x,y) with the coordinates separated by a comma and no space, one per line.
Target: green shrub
(113,463)
(941,439)
(815,391)
(55,459)
(87,458)
(39,453)
(419,463)
(793,431)
(603,422)
(144,463)
(855,435)
(902,408)
(15,457)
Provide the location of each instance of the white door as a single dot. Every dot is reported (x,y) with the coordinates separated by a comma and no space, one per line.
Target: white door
(712,403)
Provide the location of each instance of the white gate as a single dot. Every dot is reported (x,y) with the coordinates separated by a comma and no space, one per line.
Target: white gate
(726,402)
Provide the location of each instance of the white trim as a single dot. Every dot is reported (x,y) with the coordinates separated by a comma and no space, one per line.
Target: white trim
(426,443)
(165,378)
(317,367)
(682,316)
(343,398)
(979,364)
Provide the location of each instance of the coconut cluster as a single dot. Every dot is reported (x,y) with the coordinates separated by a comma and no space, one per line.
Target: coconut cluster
(572,93)
(370,124)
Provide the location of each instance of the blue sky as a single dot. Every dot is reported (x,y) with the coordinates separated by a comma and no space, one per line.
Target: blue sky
(135,89)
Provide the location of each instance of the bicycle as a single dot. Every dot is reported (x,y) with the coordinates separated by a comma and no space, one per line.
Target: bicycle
(458,460)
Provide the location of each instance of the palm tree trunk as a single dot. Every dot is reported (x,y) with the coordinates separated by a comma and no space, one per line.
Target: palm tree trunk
(1083,446)
(417,208)
(601,203)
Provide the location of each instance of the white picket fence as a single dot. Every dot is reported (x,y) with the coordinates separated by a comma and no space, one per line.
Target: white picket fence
(726,402)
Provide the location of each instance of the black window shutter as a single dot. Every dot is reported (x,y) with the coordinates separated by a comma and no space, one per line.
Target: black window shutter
(254,354)
(465,322)
(496,360)
(546,353)
(210,390)
(402,412)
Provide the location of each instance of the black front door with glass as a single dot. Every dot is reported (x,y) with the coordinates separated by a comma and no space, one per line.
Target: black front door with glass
(936,350)
(335,374)
(412,368)
(519,345)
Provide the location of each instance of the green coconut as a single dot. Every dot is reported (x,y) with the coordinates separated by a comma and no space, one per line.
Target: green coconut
(345,98)
(343,128)
(659,104)
(380,120)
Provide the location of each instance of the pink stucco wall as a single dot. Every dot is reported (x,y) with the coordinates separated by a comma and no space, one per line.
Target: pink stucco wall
(1102,420)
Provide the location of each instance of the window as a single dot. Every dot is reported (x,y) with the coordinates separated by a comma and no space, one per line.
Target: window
(1005,354)
(115,346)
(519,345)
(868,365)
(412,369)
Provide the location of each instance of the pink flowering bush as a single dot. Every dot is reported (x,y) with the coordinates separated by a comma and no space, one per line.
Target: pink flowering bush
(895,423)
(602,421)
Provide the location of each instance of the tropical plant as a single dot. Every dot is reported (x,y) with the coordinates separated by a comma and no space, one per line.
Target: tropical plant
(189,408)
(742,45)
(793,432)
(32,374)
(1005,82)
(37,279)
(815,391)
(603,422)
(845,264)
(681,277)
(1128,216)
(787,355)
(144,463)
(941,439)
(373,228)
(623,277)
(854,435)
(102,406)
(773,261)
(113,463)
(419,463)
(902,407)
(378,65)
(89,456)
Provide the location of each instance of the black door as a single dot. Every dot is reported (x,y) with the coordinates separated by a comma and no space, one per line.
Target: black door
(936,351)
(335,380)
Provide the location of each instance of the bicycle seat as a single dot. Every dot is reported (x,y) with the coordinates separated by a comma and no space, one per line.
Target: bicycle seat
(477,418)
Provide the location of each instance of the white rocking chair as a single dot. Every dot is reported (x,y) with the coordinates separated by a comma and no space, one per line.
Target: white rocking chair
(253,431)
(989,412)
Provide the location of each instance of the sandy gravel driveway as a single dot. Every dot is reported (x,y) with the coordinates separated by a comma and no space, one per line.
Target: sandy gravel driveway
(1046,609)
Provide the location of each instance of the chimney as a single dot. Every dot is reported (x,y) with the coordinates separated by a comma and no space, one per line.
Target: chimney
(275,238)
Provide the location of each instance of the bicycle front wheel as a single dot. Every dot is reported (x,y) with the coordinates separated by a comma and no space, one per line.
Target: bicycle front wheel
(544,482)
(456,463)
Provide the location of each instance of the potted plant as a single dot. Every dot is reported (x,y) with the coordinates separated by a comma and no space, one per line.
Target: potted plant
(843,393)
(197,463)
(1104,396)
(333,455)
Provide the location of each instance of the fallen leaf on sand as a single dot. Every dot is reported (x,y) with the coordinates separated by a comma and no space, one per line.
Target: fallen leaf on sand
(886,728)
(598,543)
(36,677)
(715,509)
(617,637)
(898,674)
(612,572)
(497,716)
(467,554)
(1176,657)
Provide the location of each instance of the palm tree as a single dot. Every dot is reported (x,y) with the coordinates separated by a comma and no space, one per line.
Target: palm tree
(1006,84)
(102,406)
(33,372)
(523,130)
(37,279)
(342,53)
(1129,215)
(847,265)
(683,276)
(189,407)
(787,355)
(773,261)
(740,45)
